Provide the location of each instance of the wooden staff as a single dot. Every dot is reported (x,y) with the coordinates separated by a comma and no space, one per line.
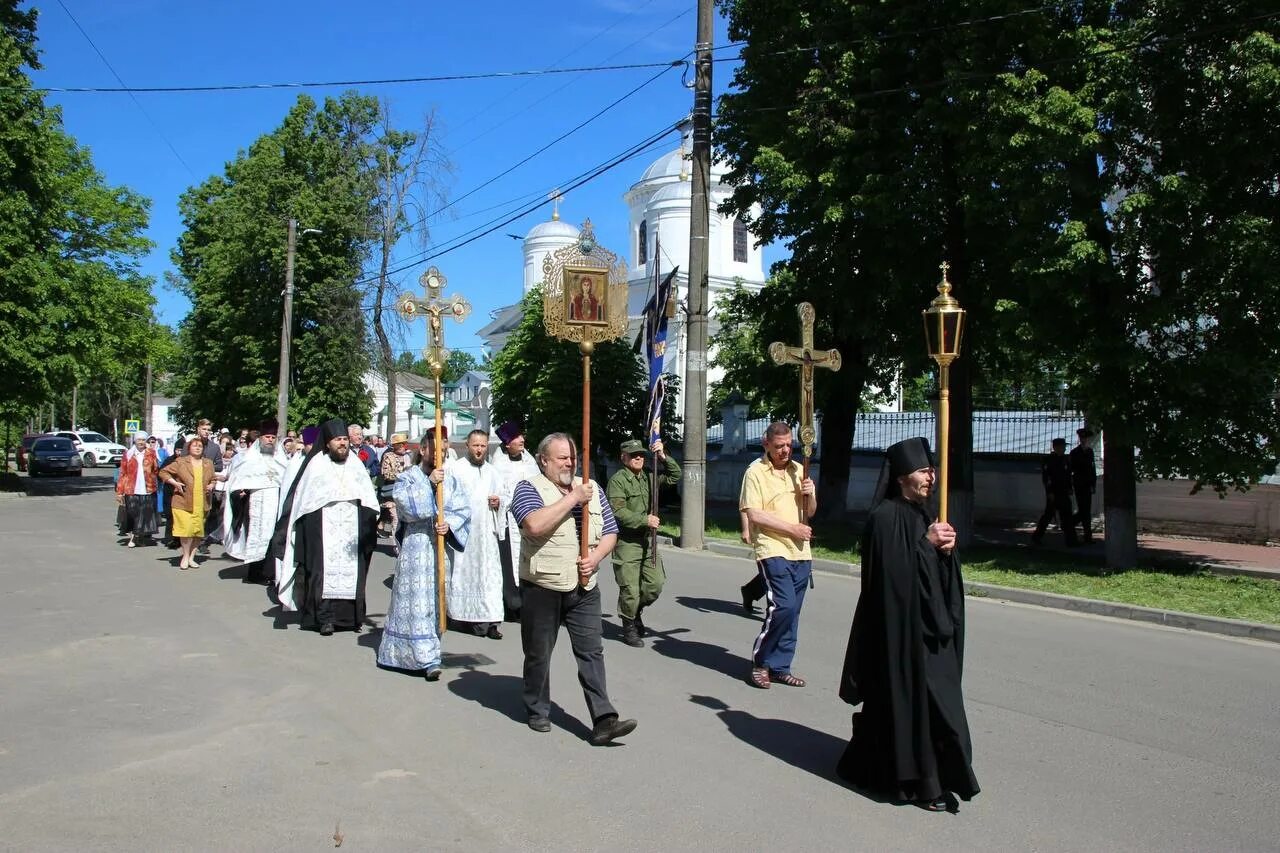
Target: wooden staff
(442,619)
(584,529)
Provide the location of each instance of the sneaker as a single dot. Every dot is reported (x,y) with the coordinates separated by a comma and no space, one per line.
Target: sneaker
(609,729)
(540,724)
(433,673)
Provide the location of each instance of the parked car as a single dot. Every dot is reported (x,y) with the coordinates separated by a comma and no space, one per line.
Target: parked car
(94,447)
(51,454)
(24,448)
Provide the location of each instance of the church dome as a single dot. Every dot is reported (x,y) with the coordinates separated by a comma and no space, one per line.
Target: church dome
(553,229)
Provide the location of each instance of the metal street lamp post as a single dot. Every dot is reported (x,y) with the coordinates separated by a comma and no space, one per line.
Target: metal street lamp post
(943,327)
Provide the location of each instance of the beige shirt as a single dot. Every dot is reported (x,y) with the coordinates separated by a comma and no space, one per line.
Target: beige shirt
(777,492)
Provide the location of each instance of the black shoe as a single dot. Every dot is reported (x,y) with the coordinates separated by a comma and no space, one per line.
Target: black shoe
(540,724)
(640,629)
(609,729)
(479,629)
(433,674)
(326,630)
(748,603)
(630,635)
(493,633)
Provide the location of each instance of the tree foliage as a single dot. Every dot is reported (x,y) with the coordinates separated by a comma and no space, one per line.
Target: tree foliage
(537,381)
(1101,176)
(314,168)
(74,305)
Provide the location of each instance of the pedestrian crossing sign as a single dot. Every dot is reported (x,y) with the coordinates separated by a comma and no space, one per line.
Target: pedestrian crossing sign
(132,425)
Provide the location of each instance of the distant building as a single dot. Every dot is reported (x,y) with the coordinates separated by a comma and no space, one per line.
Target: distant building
(658,224)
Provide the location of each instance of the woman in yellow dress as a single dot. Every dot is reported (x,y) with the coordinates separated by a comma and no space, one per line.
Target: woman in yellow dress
(192,479)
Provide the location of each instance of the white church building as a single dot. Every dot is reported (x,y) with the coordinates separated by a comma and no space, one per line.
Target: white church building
(659,216)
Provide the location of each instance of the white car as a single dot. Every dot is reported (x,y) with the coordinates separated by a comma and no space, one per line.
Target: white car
(94,447)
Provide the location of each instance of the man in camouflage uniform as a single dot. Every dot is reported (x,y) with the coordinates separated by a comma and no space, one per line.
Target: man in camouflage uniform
(636,566)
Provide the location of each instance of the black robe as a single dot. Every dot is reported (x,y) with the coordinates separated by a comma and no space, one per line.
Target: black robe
(314,610)
(904,662)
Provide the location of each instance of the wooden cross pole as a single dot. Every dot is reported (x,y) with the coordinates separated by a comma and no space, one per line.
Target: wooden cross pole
(435,308)
(806,358)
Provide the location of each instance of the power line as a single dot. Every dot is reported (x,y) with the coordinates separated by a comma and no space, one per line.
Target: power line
(438,78)
(135,100)
(553,142)
(483,231)
(568,83)
(581,45)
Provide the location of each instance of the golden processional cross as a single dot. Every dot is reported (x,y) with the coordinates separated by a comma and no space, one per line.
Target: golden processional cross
(436,308)
(806,358)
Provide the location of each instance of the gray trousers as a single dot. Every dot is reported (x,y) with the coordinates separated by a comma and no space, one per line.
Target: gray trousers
(542,612)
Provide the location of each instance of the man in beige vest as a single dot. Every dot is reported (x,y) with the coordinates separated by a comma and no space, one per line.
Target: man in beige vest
(558,587)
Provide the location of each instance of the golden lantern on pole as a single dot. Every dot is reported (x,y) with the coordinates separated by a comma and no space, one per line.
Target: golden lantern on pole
(943,328)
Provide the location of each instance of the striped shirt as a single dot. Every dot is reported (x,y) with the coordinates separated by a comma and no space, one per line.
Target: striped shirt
(526,500)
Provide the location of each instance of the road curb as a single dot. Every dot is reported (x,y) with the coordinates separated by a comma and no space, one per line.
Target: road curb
(1116,610)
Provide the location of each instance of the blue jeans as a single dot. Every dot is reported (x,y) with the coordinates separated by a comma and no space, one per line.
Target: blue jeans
(785,584)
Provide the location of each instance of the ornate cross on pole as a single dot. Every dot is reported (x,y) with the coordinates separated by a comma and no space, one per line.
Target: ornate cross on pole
(806,358)
(556,197)
(436,308)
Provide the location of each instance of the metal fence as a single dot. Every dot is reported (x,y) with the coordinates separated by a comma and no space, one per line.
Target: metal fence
(1024,433)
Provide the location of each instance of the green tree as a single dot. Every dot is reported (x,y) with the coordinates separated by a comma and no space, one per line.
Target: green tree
(409,167)
(537,381)
(231,259)
(74,303)
(1099,175)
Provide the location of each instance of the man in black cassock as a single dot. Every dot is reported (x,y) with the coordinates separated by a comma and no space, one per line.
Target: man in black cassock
(906,648)
(325,538)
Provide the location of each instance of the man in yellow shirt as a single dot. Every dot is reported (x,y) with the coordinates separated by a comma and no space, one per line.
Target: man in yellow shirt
(775,493)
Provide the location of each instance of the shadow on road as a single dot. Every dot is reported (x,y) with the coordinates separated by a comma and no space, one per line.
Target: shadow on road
(800,746)
(715,605)
(502,693)
(715,658)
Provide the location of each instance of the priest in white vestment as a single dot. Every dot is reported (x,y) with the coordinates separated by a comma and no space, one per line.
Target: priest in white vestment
(474,592)
(513,463)
(252,504)
(325,538)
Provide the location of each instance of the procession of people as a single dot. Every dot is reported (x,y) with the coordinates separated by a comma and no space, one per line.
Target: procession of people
(519,536)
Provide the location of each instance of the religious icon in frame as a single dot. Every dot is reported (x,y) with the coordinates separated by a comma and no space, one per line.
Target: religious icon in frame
(586,295)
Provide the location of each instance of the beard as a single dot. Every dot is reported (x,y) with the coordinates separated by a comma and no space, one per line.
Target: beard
(266,449)
(338,454)
(565,478)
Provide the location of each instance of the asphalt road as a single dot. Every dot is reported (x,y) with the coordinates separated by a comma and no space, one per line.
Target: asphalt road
(145,708)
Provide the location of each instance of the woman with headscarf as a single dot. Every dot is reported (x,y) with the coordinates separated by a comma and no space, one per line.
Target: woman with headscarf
(190,476)
(136,490)
(906,647)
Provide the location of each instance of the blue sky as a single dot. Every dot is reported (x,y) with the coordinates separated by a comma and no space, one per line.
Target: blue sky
(164,143)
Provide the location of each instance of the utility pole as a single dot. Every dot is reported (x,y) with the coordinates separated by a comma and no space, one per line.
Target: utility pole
(146,402)
(694,506)
(286,331)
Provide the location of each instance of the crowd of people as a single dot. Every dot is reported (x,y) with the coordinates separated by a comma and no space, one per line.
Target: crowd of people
(523,540)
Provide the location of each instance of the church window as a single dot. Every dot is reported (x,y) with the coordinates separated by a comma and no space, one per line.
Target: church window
(739,242)
(642,243)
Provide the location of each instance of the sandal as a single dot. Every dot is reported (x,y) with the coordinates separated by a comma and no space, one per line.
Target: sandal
(759,677)
(787,679)
(938,805)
